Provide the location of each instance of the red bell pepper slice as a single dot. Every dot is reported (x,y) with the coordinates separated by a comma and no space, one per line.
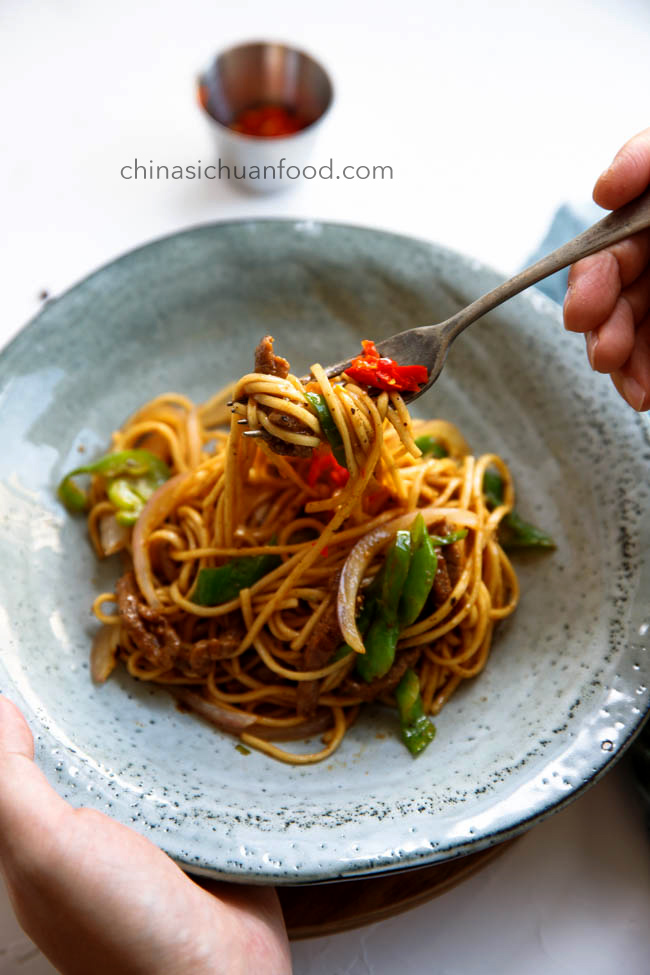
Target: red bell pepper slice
(371,369)
(325,465)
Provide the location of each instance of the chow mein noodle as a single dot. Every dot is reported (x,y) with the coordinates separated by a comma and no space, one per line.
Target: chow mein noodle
(294,550)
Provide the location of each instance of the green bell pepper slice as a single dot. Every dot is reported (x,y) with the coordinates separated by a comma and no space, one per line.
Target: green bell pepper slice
(220,585)
(417,729)
(429,445)
(399,590)
(514,532)
(131,477)
(319,406)
(383,633)
(421,574)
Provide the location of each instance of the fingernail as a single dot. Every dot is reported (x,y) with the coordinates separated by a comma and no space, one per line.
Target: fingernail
(592,343)
(633,393)
(567,298)
(612,165)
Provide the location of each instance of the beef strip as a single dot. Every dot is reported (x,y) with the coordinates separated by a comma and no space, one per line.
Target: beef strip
(274,365)
(203,653)
(287,422)
(385,684)
(267,362)
(324,640)
(454,557)
(148,629)
(263,674)
(450,568)
(292,425)
(442,587)
(284,448)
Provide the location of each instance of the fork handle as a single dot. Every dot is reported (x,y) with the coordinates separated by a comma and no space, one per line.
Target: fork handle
(618,225)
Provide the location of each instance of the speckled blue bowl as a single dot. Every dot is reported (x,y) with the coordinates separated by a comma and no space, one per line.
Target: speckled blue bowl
(566,685)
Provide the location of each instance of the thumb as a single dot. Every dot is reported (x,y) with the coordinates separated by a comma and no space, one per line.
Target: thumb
(15,736)
(627,175)
(29,806)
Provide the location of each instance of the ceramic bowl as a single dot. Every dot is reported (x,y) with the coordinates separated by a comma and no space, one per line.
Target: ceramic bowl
(566,686)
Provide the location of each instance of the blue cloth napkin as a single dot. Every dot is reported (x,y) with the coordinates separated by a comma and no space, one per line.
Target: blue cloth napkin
(568,221)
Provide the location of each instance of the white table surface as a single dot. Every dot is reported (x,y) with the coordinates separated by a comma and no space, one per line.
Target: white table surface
(491,115)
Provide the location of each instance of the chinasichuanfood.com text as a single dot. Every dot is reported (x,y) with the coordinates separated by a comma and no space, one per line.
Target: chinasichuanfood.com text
(281,171)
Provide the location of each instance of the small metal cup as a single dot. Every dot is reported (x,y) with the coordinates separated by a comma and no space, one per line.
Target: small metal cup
(259,73)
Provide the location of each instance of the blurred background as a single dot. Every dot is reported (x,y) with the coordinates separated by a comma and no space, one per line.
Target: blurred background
(491,116)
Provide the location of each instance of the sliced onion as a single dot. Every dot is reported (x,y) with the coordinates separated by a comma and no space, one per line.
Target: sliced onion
(154,512)
(112,536)
(311,726)
(103,652)
(233,722)
(365,550)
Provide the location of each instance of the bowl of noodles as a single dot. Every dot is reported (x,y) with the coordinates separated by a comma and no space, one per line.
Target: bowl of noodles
(284,624)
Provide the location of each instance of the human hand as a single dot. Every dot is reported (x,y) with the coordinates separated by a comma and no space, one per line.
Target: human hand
(608,297)
(97,897)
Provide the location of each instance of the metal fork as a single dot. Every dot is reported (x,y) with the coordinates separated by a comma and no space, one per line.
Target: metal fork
(428,345)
